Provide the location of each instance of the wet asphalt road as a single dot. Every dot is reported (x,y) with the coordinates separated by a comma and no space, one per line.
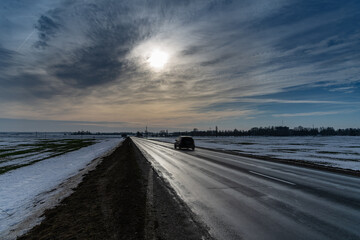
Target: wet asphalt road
(245,198)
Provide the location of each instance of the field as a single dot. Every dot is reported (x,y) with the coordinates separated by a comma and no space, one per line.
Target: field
(335,151)
(33,168)
(18,153)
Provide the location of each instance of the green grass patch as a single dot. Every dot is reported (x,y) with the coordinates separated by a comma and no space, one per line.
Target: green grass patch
(20,152)
(53,147)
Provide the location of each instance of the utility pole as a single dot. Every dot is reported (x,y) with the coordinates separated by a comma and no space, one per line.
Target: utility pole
(216,131)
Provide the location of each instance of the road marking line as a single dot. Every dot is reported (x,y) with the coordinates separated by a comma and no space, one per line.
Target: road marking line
(277,179)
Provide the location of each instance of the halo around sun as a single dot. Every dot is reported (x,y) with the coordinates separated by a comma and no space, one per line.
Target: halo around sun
(158,59)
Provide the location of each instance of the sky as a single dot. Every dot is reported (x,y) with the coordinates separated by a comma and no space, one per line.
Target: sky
(112,65)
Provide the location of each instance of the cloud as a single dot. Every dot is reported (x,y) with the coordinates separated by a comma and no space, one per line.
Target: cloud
(101,59)
(47,28)
(262,100)
(91,66)
(6,58)
(349,89)
(216,61)
(15,124)
(192,50)
(307,114)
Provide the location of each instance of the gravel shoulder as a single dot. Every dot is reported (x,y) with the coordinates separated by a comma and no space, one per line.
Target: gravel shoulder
(123,198)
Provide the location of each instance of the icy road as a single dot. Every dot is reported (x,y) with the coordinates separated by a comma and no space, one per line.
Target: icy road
(244,198)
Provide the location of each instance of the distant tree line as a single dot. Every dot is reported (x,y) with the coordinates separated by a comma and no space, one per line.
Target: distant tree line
(256,131)
(275,131)
(123,134)
(81,133)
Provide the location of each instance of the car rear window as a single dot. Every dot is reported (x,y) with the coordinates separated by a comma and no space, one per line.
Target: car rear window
(188,140)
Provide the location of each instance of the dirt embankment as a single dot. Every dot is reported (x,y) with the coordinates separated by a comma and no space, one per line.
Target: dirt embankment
(122,198)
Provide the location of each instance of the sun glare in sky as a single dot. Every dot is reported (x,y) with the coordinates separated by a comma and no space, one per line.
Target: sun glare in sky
(158,59)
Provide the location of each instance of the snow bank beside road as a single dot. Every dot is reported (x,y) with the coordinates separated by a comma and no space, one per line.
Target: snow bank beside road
(23,189)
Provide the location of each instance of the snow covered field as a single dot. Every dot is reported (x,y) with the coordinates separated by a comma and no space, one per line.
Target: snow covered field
(336,151)
(35,186)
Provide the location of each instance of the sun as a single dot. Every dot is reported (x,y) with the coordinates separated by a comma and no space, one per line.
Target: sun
(158,59)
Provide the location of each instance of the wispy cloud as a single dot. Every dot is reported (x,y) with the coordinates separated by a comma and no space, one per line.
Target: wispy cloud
(343,89)
(307,114)
(264,100)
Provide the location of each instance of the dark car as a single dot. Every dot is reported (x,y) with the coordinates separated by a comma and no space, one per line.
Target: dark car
(184,142)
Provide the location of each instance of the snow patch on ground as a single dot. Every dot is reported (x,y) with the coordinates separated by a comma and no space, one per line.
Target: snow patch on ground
(31,189)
